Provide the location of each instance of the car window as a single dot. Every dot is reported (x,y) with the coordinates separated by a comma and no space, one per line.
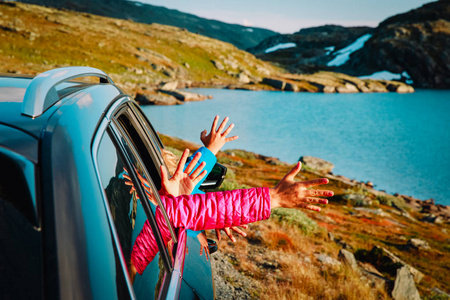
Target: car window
(123,181)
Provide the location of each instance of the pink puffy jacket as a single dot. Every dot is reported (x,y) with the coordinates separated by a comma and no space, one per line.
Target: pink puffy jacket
(201,212)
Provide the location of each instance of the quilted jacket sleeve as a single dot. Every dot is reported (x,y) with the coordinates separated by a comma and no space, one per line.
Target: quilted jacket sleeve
(201,212)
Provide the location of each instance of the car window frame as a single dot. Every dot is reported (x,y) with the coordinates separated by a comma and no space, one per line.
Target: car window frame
(108,125)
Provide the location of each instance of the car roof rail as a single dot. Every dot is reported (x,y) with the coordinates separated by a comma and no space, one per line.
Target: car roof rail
(41,93)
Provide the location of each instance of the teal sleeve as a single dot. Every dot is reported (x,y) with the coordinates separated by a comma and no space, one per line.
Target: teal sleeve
(209,158)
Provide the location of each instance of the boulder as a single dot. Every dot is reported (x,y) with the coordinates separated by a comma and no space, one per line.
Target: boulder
(243,78)
(318,164)
(185,96)
(348,259)
(358,199)
(156,99)
(404,286)
(169,86)
(418,244)
(218,65)
(347,88)
(387,262)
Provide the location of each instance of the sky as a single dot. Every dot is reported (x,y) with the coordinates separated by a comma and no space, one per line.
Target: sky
(289,16)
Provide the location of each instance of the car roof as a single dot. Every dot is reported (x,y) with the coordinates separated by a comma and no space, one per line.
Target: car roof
(12,91)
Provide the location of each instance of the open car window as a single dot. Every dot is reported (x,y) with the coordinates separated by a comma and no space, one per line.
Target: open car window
(132,221)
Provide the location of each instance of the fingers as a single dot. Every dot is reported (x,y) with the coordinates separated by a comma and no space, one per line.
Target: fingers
(231,139)
(214,124)
(197,170)
(318,193)
(228,233)
(239,231)
(222,125)
(245,226)
(182,161)
(309,206)
(315,200)
(164,177)
(218,235)
(192,164)
(228,130)
(292,173)
(315,182)
(200,177)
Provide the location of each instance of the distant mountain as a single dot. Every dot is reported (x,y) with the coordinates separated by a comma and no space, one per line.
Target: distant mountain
(309,49)
(412,47)
(241,36)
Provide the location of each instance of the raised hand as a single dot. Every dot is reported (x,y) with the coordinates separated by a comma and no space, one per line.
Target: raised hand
(183,182)
(215,140)
(291,194)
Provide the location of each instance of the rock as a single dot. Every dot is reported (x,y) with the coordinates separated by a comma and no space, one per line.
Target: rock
(389,263)
(185,96)
(440,292)
(275,83)
(358,199)
(326,260)
(347,88)
(156,99)
(318,164)
(169,86)
(418,244)
(218,65)
(329,89)
(370,184)
(243,78)
(404,286)
(348,259)
(399,87)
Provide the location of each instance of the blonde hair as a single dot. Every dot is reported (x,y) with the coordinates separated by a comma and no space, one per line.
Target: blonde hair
(171,160)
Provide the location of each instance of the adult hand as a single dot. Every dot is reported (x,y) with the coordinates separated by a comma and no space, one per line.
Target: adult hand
(215,140)
(291,194)
(183,182)
(228,232)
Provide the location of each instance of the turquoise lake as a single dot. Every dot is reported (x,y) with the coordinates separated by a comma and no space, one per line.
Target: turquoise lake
(400,142)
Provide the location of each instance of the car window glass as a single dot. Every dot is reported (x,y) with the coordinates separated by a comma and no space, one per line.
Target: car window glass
(130,221)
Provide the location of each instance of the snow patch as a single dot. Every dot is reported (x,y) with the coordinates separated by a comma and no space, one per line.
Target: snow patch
(386,75)
(343,55)
(329,49)
(280,46)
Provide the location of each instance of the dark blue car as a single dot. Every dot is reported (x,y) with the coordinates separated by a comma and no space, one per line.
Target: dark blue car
(67,218)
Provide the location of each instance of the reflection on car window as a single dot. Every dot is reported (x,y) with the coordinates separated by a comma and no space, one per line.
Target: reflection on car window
(128,216)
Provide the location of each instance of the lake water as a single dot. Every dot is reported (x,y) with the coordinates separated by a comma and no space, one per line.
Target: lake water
(400,142)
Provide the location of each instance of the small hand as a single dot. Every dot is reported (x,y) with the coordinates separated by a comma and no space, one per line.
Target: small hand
(228,232)
(183,182)
(203,244)
(215,140)
(144,183)
(290,194)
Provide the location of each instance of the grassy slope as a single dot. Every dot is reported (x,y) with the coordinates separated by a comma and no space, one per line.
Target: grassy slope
(35,39)
(275,250)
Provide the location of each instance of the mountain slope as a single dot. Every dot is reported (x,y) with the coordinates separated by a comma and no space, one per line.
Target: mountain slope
(241,36)
(412,46)
(416,42)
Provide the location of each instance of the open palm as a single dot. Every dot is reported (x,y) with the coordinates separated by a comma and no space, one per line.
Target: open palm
(183,182)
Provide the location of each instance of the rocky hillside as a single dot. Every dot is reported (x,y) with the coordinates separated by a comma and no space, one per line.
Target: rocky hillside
(148,60)
(412,47)
(417,42)
(312,49)
(241,36)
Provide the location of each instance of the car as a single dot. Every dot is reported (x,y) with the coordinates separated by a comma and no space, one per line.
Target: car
(68,219)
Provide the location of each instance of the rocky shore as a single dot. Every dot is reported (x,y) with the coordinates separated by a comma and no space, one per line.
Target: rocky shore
(364,244)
